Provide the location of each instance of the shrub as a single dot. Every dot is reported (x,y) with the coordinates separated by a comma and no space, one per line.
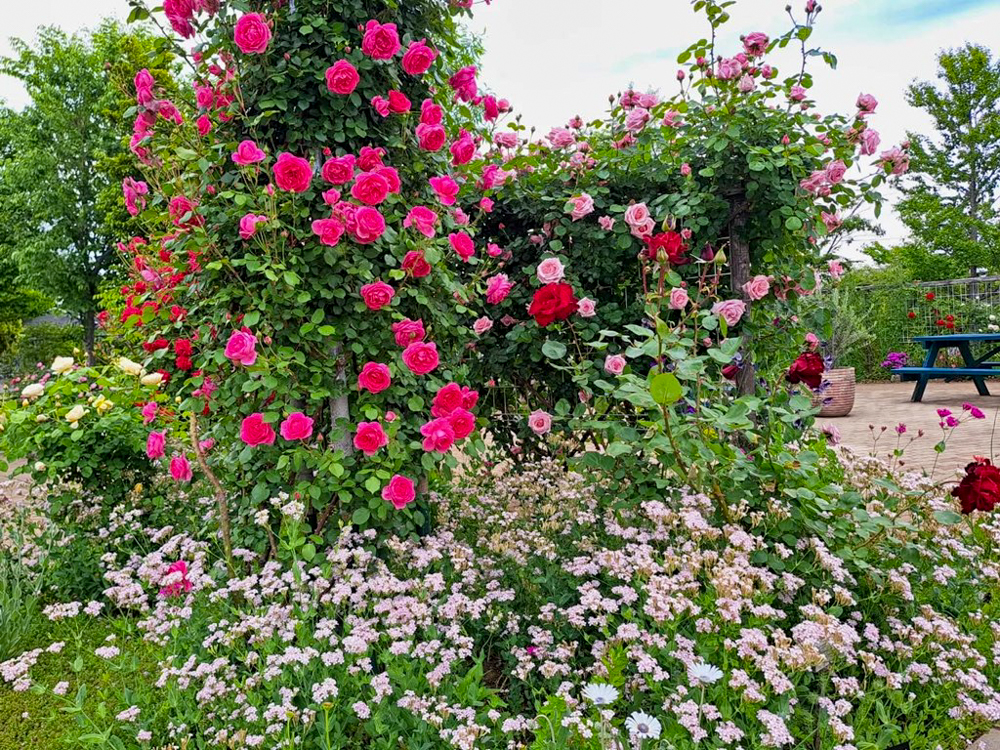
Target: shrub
(40,343)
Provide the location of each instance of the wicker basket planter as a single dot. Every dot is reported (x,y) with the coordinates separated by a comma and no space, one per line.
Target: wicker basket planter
(838,398)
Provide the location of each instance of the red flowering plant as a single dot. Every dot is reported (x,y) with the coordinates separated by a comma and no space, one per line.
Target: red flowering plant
(722,192)
(307,211)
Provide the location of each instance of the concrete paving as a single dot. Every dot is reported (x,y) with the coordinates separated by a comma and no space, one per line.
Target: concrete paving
(878,405)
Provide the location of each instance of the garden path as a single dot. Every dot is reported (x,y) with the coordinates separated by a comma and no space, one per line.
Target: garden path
(888,404)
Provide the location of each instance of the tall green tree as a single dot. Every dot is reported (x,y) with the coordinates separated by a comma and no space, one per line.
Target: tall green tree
(950,201)
(63,158)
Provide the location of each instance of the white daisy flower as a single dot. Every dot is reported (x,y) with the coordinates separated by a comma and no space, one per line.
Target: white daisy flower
(701,673)
(600,693)
(643,726)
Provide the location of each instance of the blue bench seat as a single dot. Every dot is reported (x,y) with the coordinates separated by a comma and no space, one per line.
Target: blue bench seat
(948,372)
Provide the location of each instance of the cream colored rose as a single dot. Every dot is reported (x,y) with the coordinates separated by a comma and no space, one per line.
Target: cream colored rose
(33,391)
(75,414)
(103,405)
(153,379)
(39,466)
(62,365)
(132,368)
(42,418)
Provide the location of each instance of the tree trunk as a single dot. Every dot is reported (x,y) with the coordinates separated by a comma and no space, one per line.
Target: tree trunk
(340,406)
(89,319)
(739,274)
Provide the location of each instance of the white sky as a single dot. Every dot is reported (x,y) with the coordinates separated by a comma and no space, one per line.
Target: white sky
(556,58)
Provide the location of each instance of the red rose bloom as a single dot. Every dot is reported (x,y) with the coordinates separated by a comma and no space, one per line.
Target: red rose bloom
(671,244)
(416,265)
(808,369)
(552,302)
(980,487)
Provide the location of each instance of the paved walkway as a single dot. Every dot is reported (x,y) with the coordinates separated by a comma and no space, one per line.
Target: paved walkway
(888,404)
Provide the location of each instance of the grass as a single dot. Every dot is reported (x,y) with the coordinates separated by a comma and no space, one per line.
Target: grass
(35,719)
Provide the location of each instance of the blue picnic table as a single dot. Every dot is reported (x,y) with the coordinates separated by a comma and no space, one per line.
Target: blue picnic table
(978,368)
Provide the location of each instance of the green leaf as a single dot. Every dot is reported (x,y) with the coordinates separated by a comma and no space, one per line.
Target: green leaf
(947,517)
(360,516)
(554,349)
(665,388)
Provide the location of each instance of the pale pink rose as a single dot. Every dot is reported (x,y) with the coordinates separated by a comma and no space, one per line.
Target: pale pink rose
(614,364)
(746,84)
(586,308)
(550,271)
(561,138)
(835,171)
(869,141)
(730,310)
(836,269)
(678,298)
(866,104)
(540,422)
(607,223)
(830,221)
(636,215)
(482,325)
(797,93)
(757,287)
(812,340)
(583,205)
(645,229)
(685,169)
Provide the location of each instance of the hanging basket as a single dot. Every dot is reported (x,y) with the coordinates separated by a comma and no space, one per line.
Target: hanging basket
(838,398)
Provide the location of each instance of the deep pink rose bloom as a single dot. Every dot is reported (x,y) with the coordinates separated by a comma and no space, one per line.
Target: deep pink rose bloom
(463,149)
(464,83)
(391,176)
(292,173)
(339,170)
(248,225)
(497,288)
(149,413)
(423,219)
(181,206)
(407,331)
(242,348)
(400,491)
(180,469)
(415,264)
(797,93)
(370,188)
(370,437)
(204,124)
(156,444)
(180,584)
(381,41)
(398,102)
(445,188)
(730,310)
(370,159)
(758,287)
(447,399)
(377,295)
(329,231)
(438,434)
(248,153)
(297,426)
(374,377)
(462,422)
(469,398)
(342,78)
(381,105)
(368,226)
(252,33)
(431,137)
(421,357)
(431,113)
(463,245)
(255,431)
(418,58)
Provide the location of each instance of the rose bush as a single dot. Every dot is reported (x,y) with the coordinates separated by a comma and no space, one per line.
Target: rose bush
(298,213)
